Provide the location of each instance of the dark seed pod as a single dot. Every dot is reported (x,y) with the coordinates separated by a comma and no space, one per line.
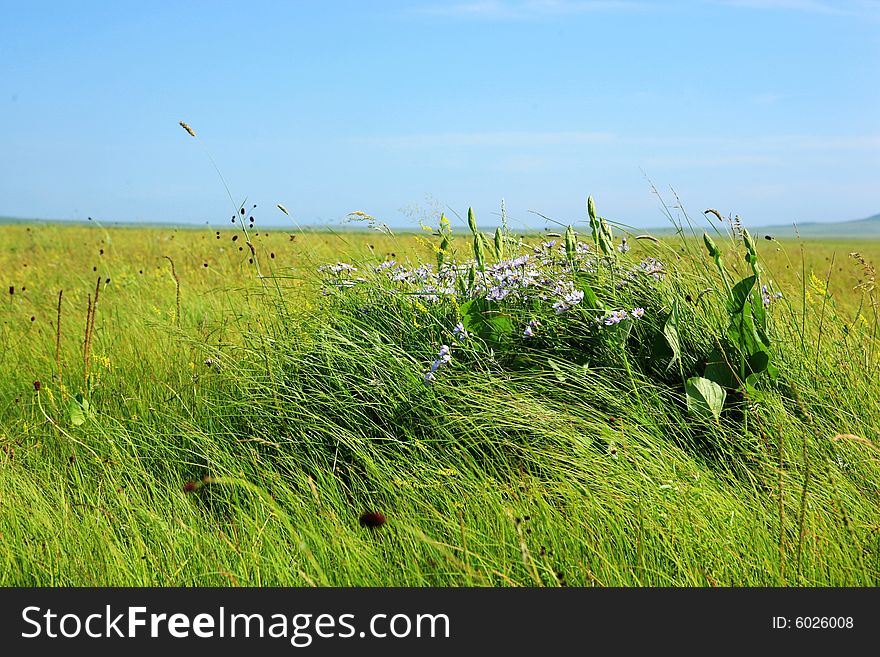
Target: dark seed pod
(372,519)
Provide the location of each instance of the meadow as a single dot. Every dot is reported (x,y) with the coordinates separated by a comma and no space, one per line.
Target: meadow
(250,407)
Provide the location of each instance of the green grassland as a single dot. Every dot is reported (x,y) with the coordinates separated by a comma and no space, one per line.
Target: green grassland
(232,413)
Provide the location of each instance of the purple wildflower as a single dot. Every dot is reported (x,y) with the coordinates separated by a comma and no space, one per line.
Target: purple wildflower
(615,317)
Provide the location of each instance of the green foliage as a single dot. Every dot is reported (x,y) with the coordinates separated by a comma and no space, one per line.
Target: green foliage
(487,320)
(705,398)
(602,237)
(284,414)
(591,299)
(499,244)
(443,249)
(719,370)
(479,242)
(80,410)
(670,333)
(570,243)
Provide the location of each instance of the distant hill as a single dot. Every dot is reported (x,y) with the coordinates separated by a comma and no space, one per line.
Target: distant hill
(868,228)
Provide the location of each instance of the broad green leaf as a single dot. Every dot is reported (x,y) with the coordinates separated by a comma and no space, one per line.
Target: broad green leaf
(469,314)
(740,295)
(591,301)
(485,319)
(553,366)
(758,361)
(80,410)
(502,325)
(720,371)
(705,398)
(751,383)
(77,417)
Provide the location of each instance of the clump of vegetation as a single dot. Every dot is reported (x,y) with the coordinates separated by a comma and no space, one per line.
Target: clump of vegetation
(588,408)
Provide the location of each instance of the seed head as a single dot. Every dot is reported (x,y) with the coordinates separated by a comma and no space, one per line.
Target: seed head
(372,519)
(749,242)
(710,246)
(187,128)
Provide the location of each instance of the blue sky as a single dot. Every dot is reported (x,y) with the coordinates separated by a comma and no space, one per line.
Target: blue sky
(763,108)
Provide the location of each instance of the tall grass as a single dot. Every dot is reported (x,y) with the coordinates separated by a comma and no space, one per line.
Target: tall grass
(235,437)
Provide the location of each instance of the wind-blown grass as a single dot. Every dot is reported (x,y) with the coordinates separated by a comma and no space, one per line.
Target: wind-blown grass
(242,446)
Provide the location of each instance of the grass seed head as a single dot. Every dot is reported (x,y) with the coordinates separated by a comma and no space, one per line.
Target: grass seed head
(372,519)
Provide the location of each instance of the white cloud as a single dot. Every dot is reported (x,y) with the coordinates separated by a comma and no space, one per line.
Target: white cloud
(718,150)
(531,9)
(860,8)
(702,162)
(814,6)
(827,142)
(531,164)
(520,9)
(490,139)
(762,144)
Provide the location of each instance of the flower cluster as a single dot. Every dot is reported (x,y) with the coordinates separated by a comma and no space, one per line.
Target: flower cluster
(339,275)
(338,268)
(422,281)
(546,274)
(568,300)
(443,357)
(383,266)
(652,267)
(767,297)
(617,316)
(647,267)
(512,278)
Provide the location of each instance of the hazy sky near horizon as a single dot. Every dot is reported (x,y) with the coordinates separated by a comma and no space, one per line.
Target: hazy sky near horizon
(763,108)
